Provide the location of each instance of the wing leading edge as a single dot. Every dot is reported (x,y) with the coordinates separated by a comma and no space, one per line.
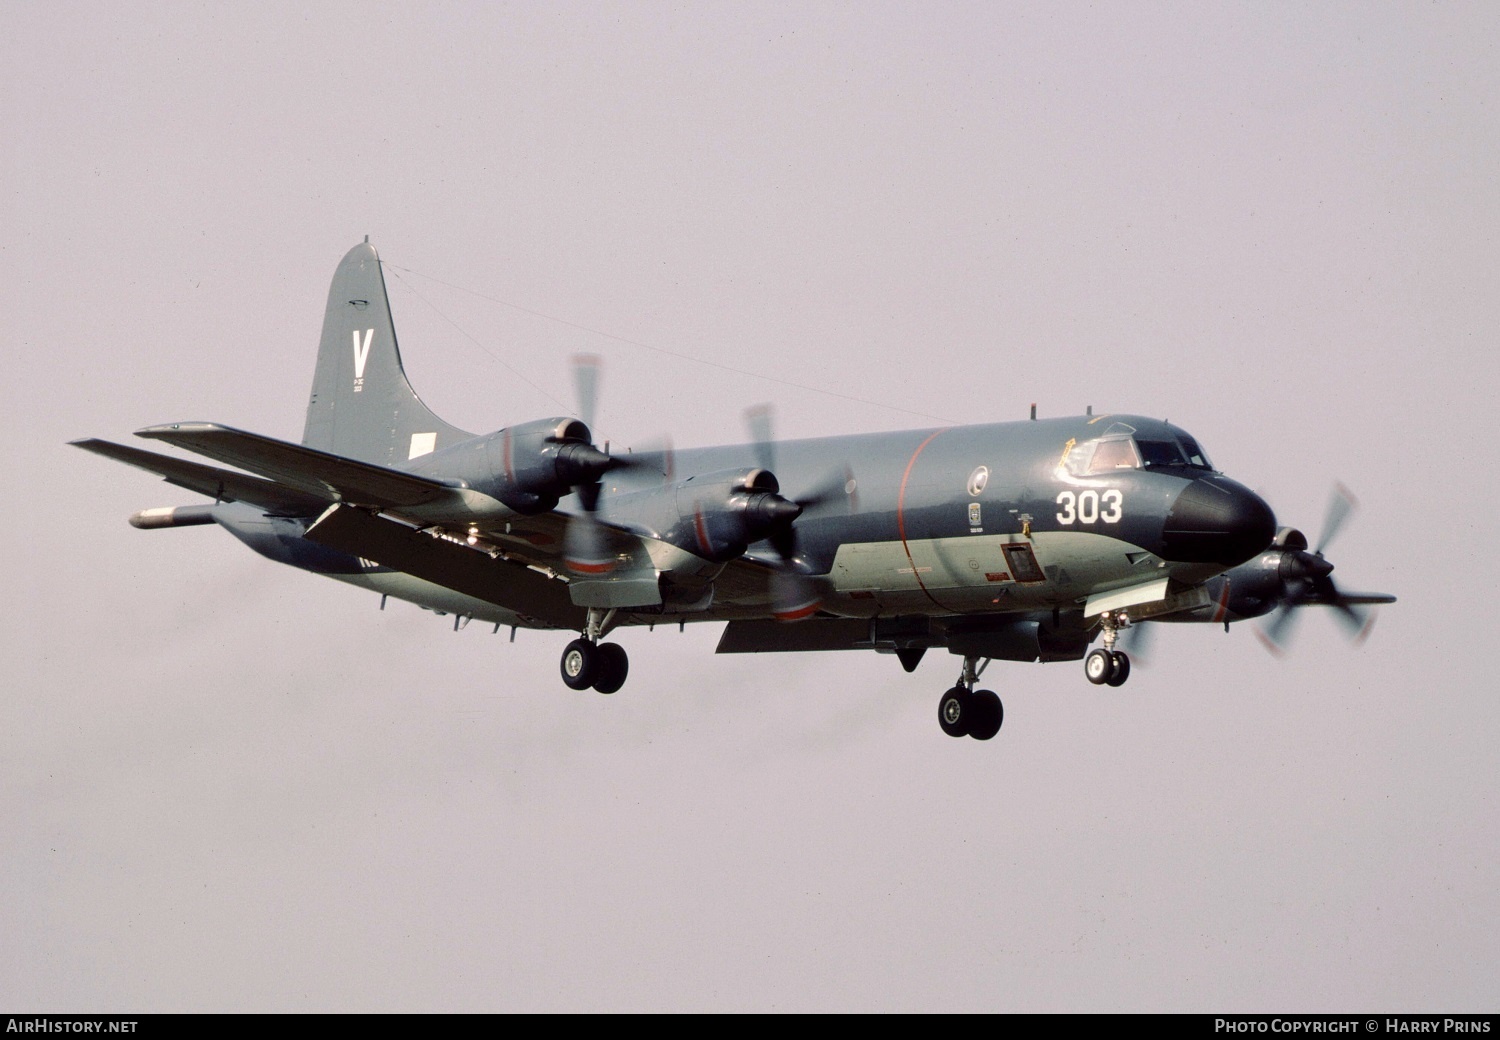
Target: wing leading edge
(321,474)
(222,485)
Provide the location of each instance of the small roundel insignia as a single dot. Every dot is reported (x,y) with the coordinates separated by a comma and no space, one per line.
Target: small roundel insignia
(978,479)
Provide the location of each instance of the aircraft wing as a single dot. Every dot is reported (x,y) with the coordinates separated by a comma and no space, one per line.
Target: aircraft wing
(313,472)
(220,484)
(305,481)
(746,580)
(540,600)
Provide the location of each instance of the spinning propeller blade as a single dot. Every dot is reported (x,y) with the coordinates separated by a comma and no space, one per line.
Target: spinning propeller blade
(1136,641)
(586,385)
(794,594)
(1307,580)
(586,547)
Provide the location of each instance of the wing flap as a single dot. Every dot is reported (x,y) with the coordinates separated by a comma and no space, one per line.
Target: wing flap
(220,484)
(758,637)
(505,583)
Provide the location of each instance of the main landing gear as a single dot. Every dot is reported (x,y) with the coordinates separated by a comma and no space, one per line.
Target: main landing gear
(967,712)
(1108,666)
(586,662)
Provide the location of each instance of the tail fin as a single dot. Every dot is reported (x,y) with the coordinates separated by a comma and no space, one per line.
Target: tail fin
(362,407)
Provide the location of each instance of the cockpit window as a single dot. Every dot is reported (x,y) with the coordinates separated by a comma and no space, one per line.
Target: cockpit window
(1183,451)
(1112,455)
(1106,455)
(1113,452)
(1161,453)
(1195,455)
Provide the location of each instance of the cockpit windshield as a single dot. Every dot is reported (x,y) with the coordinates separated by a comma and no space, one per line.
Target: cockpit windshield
(1196,456)
(1114,452)
(1161,453)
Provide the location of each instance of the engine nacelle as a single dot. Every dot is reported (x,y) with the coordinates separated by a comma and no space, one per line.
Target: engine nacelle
(715,516)
(1254,586)
(529,466)
(721,514)
(1258,586)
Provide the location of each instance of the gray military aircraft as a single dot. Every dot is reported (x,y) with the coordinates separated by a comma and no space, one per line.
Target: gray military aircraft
(1018,541)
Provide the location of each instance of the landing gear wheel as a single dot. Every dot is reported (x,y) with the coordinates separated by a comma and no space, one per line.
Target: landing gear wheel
(611,667)
(580,664)
(986,714)
(1099,666)
(953,712)
(1121,670)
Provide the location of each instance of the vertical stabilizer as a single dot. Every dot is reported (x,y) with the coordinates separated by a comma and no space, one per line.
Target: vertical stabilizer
(362,407)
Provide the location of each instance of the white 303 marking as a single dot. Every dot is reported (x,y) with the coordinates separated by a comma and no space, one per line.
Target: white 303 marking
(1083,507)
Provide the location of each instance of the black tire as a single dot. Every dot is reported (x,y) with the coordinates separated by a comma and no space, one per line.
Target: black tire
(1099,666)
(612,668)
(1122,669)
(953,712)
(986,714)
(580,664)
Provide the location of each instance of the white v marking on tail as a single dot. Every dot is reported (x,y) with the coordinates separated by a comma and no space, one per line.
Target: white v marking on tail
(361,352)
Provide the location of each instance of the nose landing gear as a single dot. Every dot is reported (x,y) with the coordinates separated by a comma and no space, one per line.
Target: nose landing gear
(1108,666)
(966,712)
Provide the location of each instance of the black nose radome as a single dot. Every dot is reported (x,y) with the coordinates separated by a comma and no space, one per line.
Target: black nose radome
(1216,520)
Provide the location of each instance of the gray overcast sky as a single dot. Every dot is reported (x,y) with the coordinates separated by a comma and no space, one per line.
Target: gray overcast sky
(228,785)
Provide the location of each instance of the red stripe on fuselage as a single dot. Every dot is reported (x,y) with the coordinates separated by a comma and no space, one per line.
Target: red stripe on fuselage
(901,519)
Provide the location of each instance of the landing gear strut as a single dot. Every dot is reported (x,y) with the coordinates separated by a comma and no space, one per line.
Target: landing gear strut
(586,662)
(1108,665)
(966,712)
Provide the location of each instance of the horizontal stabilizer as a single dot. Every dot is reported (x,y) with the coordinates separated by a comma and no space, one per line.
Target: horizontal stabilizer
(308,470)
(220,484)
(505,583)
